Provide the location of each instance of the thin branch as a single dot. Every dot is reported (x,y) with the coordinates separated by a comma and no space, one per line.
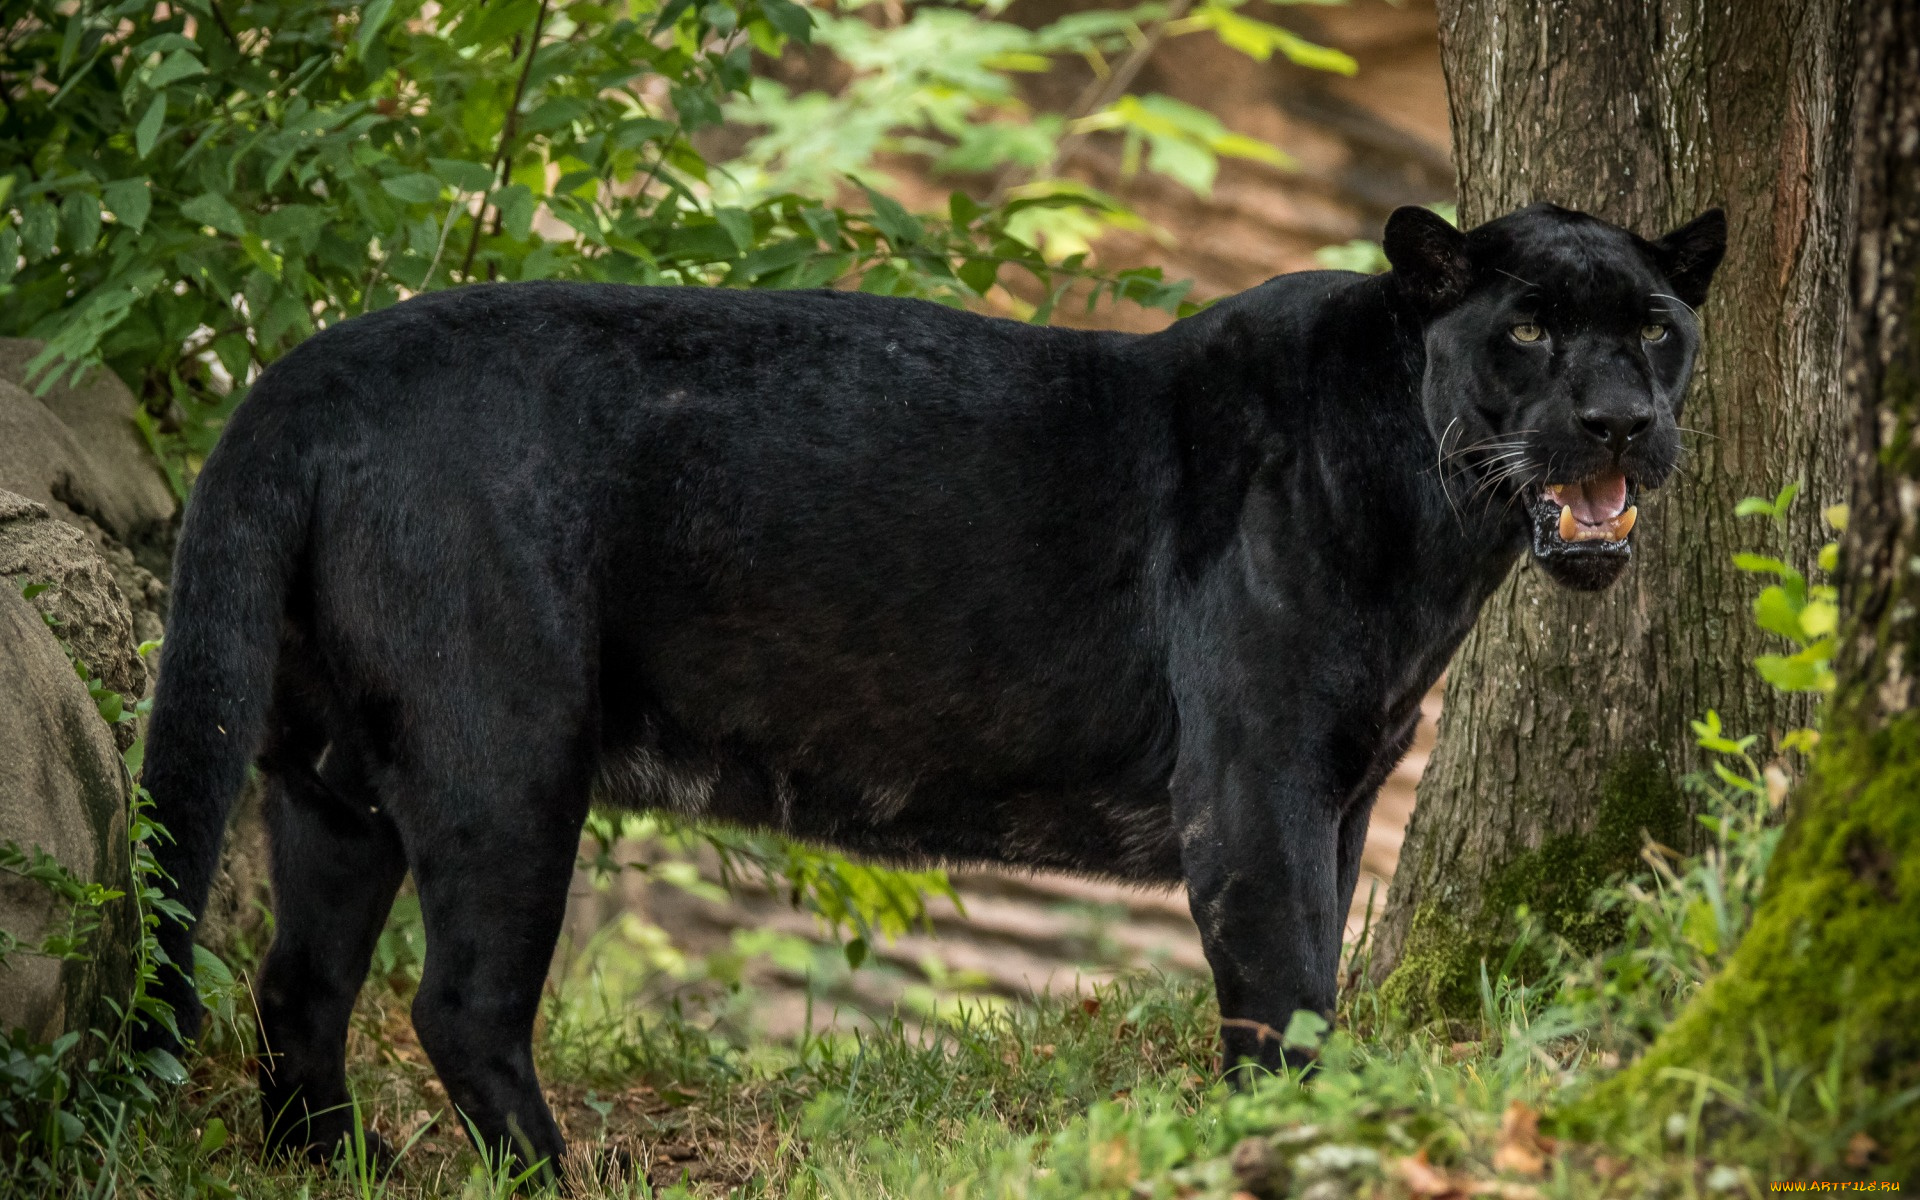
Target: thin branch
(1095,96)
(220,19)
(502,154)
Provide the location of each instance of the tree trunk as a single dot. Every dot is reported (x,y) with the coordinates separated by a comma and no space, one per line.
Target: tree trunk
(1827,972)
(1565,726)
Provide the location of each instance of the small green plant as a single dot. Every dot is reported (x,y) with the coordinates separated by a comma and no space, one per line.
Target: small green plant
(1806,614)
(52,1103)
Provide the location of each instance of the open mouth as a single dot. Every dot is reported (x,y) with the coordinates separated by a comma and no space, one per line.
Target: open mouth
(1594,515)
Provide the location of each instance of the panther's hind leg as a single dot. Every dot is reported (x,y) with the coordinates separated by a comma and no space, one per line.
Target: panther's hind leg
(336,864)
(493,857)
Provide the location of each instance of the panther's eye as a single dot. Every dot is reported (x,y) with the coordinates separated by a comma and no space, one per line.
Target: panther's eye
(1527,331)
(1653,333)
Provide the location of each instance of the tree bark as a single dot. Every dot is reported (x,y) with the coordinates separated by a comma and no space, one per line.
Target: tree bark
(1565,728)
(1827,973)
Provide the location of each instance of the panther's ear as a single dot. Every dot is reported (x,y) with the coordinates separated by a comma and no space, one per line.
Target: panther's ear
(1429,257)
(1689,255)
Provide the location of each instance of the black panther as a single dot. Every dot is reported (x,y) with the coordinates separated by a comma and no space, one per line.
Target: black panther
(881,574)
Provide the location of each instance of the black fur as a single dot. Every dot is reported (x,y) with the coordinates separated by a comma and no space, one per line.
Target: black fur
(890,576)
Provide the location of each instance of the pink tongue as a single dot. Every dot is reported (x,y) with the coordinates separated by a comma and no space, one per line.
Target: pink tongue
(1597,501)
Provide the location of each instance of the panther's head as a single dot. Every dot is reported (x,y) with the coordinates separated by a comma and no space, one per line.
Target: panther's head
(1558,352)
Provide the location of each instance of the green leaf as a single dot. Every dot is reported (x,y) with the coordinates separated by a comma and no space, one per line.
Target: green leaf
(1775,612)
(80,222)
(1305,1030)
(555,113)
(856,952)
(738,225)
(899,226)
(461,175)
(980,274)
(211,208)
(129,200)
(293,222)
(372,18)
(1760,564)
(1820,618)
(776,256)
(789,18)
(235,354)
(147,132)
(176,66)
(164,1066)
(1792,674)
(213,1136)
(39,225)
(1304,53)
(517,204)
(416,188)
(1185,162)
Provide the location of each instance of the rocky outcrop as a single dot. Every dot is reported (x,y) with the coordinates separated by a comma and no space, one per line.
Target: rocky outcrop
(76,451)
(86,510)
(62,786)
(82,455)
(82,600)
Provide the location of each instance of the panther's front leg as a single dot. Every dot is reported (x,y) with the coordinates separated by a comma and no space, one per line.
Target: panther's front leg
(1259,815)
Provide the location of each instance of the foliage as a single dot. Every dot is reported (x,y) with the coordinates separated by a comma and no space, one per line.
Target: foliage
(1685,915)
(55,1110)
(1806,614)
(187,190)
(940,86)
(857,903)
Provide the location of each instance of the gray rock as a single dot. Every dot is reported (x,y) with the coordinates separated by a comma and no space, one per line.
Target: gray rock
(62,789)
(82,595)
(76,450)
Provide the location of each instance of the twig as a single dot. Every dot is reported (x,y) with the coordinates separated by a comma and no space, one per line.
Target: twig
(508,126)
(453,211)
(1095,96)
(220,19)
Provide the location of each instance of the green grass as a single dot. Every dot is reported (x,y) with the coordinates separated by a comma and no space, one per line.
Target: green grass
(665,1091)
(1112,1094)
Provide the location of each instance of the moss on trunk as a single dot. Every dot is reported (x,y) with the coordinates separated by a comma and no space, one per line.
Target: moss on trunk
(1438,973)
(1821,995)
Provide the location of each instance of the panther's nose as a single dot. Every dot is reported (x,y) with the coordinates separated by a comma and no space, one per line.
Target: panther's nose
(1615,426)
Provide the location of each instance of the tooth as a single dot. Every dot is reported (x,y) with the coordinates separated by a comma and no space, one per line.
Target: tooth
(1569,528)
(1622,525)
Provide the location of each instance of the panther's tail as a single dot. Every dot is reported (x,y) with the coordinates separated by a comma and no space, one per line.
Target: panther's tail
(242,541)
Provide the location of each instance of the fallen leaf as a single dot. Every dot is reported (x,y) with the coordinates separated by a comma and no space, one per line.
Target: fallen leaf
(1424,1179)
(1462,1050)
(1520,1149)
(1861,1150)
(1090,1006)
